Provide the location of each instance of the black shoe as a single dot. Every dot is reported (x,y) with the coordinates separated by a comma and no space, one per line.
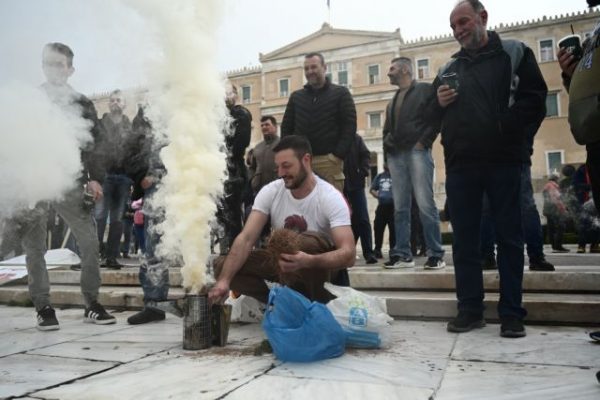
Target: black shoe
(96,314)
(598,376)
(112,263)
(560,249)
(125,255)
(393,260)
(595,336)
(145,316)
(434,263)
(489,263)
(540,265)
(46,318)
(378,254)
(371,259)
(512,327)
(465,322)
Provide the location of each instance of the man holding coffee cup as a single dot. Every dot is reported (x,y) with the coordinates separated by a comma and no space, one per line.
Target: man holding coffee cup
(484,122)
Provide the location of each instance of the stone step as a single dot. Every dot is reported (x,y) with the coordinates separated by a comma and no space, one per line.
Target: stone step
(582,279)
(570,309)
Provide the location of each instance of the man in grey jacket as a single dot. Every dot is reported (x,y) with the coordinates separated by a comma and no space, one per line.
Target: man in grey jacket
(407,142)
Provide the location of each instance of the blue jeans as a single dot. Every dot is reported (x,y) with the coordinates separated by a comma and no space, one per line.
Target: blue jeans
(117,189)
(465,190)
(361,226)
(154,272)
(412,171)
(532,226)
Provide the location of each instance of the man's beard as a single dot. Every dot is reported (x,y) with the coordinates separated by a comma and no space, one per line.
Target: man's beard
(298,180)
(474,41)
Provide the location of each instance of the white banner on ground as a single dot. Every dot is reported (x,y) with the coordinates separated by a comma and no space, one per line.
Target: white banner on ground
(15,268)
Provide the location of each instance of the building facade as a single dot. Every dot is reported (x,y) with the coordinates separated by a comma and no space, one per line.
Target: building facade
(360,60)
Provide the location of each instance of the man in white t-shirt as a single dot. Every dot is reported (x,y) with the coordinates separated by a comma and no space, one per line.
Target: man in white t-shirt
(299,201)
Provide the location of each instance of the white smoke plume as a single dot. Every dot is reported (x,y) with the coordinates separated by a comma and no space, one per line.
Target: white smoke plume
(191,109)
(39,147)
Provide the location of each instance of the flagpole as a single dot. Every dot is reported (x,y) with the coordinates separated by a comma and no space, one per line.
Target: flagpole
(328,12)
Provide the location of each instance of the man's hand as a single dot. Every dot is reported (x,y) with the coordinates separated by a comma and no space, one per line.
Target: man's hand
(567,62)
(446,96)
(218,293)
(95,189)
(295,262)
(147,182)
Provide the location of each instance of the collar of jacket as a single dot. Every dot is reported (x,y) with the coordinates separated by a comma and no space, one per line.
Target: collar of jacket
(493,45)
(321,89)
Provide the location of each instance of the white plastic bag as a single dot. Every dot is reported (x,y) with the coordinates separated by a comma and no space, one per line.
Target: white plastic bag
(245,309)
(363,317)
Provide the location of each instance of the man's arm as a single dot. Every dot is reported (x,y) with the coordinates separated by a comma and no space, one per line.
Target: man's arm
(343,256)
(238,254)
(289,118)
(347,125)
(430,130)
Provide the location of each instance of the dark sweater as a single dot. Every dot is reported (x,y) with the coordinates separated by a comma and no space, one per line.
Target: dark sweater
(325,116)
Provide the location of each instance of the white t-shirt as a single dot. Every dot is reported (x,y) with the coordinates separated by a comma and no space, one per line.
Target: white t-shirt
(323,209)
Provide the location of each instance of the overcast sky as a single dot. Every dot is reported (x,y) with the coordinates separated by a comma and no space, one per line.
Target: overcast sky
(110,41)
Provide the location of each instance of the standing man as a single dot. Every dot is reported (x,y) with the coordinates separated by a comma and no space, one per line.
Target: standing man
(237,138)
(408,138)
(298,201)
(356,169)
(325,114)
(117,185)
(262,162)
(484,118)
(57,64)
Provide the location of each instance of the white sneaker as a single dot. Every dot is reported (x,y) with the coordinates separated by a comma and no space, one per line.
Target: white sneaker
(401,263)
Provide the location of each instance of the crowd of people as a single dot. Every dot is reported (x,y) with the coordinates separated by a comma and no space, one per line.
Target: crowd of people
(294,206)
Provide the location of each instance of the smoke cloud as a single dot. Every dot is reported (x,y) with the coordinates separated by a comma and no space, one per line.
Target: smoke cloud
(190,106)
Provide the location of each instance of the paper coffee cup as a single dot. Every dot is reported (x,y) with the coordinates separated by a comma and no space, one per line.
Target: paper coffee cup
(451,79)
(572,44)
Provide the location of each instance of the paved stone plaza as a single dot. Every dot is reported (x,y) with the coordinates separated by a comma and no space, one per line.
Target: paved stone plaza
(84,361)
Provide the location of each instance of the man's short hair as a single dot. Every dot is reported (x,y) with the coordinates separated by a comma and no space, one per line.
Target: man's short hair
(475,4)
(270,118)
(316,54)
(116,92)
(299,144)
(407,62)
(61,49)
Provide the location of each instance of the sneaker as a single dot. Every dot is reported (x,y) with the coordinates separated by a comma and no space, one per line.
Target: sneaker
(96,314)
(598,376)
(512,327)
(371,259)
(46,319)
(489,263)
(434,263)
(595,336)
(594,248)
(145,316)
(581,249)
(560,249)
(378,254)
(401,262)
(112,263)
(540,265)
(393,260)
(465,322)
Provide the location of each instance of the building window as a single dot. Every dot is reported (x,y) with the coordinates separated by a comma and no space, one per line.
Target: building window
(284,87)
(373,74)
(552,105)
(342,74)
(423,69)
(246,94)
(374,119)
(554,161)
(546,50)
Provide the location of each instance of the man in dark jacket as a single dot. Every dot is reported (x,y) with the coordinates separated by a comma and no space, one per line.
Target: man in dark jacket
(407,141)
(500,92)
(356,169)
(75,208)
(325,114)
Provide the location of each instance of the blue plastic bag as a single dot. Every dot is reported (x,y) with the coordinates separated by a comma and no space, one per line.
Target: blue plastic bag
(299,330)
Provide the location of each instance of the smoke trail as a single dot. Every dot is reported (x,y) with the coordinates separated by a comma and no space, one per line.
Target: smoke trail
(39,147)
(191,108)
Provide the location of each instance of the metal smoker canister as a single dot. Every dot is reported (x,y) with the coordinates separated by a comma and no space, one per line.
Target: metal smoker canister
(196,323)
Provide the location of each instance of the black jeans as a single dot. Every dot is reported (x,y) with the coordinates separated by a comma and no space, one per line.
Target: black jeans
(384,216)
